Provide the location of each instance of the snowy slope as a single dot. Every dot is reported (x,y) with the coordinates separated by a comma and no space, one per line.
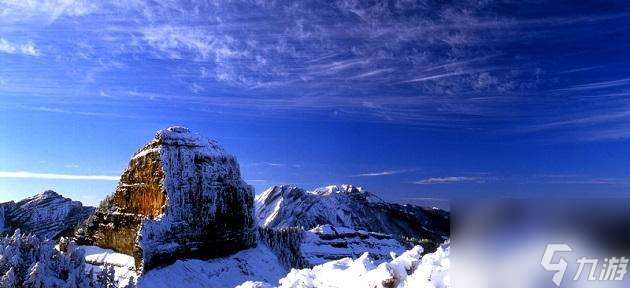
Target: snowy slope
(259,268)
(48,214)
(409,270)
(124,265)
(326,243)
(348,206)
(255,264)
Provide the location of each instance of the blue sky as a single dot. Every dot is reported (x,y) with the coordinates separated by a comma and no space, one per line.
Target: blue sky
(414,100)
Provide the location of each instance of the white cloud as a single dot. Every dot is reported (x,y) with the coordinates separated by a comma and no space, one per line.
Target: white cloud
(600,85)
(46,11)
(54,176)
(12,48)
(270,164)
(449,180)
(381,173)
(174,41)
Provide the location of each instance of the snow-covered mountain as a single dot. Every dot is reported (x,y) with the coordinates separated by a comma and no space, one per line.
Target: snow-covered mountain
(348,206)
(48,215)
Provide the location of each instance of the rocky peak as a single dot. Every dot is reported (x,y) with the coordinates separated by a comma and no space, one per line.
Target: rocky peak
(181,196)
(343,188)
(47,194)
(347,190)
(47,214)
(348,206)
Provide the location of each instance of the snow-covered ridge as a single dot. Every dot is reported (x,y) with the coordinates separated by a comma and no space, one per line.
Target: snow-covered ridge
(348,206)
(326,243)
(343,188)
(48,215)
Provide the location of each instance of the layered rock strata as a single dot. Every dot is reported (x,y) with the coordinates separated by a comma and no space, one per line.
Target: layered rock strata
(181,196)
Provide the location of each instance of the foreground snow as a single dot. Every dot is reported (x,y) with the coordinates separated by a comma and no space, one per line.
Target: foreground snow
(259,268)
(255,264)
(408,270)
(124,268)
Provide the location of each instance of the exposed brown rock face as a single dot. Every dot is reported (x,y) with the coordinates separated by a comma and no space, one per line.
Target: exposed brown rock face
(180,196)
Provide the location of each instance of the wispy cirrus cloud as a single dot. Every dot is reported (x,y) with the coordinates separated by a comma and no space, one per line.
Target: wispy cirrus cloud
(46,11)
(64,111)
(28,49)
(55,176)
(580,179)
(440,65)
(600,85)
(450,180)
(382,173)
(268,164)
(595,111)
(608,116)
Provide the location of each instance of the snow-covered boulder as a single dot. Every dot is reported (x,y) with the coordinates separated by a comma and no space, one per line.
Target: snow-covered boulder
(349,206)
(181,196)
(47,215)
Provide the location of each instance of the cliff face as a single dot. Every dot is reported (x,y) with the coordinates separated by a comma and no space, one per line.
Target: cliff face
(181,196)
(47,215)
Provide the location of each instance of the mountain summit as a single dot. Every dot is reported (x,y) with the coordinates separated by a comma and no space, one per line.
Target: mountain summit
(181,196)
(48,215)
(348,206)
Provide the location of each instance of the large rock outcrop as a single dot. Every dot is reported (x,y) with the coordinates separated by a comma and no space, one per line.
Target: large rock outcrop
(47,215)
(181,196)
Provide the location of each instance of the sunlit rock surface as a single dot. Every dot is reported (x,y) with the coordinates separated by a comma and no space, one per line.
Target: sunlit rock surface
(181,196)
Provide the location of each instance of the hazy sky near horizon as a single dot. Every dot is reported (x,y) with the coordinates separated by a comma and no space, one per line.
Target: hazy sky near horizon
(413,100)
